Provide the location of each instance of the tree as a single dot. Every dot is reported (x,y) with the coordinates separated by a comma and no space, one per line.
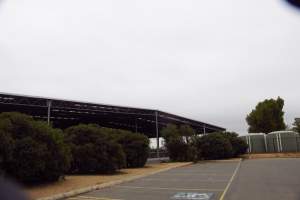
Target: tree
(296,125)
(187,132)
(267,116)
(170,132)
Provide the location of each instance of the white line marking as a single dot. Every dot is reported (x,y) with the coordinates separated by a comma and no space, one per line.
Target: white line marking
(91,198)
(198,174)
(179,189)
(209,180)
(230,181)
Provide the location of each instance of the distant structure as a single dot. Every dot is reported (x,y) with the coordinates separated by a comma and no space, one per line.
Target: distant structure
(64,113)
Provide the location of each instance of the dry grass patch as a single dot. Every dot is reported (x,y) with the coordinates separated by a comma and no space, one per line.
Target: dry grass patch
(73,182)
(271,155)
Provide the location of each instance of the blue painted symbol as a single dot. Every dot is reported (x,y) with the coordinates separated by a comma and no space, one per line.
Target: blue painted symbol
(192,196)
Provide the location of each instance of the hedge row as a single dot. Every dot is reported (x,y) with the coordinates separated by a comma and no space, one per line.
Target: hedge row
(93,151)
(183,145)
(33,152)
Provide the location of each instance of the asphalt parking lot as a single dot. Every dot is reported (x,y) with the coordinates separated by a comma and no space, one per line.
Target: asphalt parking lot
(261,179)
(264,179)
(190,182)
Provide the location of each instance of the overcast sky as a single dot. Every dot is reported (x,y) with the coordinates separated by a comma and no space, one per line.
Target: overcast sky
(207,60)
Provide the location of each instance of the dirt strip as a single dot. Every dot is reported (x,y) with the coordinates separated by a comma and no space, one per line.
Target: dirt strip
(271,155)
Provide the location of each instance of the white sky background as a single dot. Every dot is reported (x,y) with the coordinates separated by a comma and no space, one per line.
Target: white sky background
(207,60)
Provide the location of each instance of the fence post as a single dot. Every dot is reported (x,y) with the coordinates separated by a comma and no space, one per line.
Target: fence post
(280,142)
(297,149)
(266,145)
(250,144)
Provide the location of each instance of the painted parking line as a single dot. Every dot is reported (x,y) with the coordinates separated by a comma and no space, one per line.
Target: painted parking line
(213,180)
(230,181)
(198,174)
(90,198)
(175,189)
(209,180)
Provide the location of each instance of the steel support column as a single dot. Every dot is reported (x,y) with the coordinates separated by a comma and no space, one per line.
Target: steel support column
(136,127)
(157,134)
(49,111)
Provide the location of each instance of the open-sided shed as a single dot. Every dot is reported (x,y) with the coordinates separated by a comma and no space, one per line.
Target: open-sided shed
(64,113)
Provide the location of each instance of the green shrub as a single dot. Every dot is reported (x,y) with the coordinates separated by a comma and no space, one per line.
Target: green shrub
(239,146)
(179,142)
(180,151)
(93,151)
(214,146)
(31,151)
(135,146)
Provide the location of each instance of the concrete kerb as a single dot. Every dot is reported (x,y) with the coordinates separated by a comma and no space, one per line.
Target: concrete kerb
(108,184)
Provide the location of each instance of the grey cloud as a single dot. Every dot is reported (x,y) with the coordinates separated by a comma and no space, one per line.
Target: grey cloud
(205,60)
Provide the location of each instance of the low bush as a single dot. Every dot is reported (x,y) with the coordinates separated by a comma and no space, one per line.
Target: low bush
(93,151)
(180,151)
(31,151)
(239,146)
(179,142)
(135,146)
(213,146)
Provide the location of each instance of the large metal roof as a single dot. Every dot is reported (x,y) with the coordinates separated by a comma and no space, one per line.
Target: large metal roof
(64,113)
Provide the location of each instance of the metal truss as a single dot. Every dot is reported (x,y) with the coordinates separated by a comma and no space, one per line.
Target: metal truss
(63,113)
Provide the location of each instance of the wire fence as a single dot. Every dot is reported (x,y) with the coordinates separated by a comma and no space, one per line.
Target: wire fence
(287,144)
(274,145)
(162,153)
